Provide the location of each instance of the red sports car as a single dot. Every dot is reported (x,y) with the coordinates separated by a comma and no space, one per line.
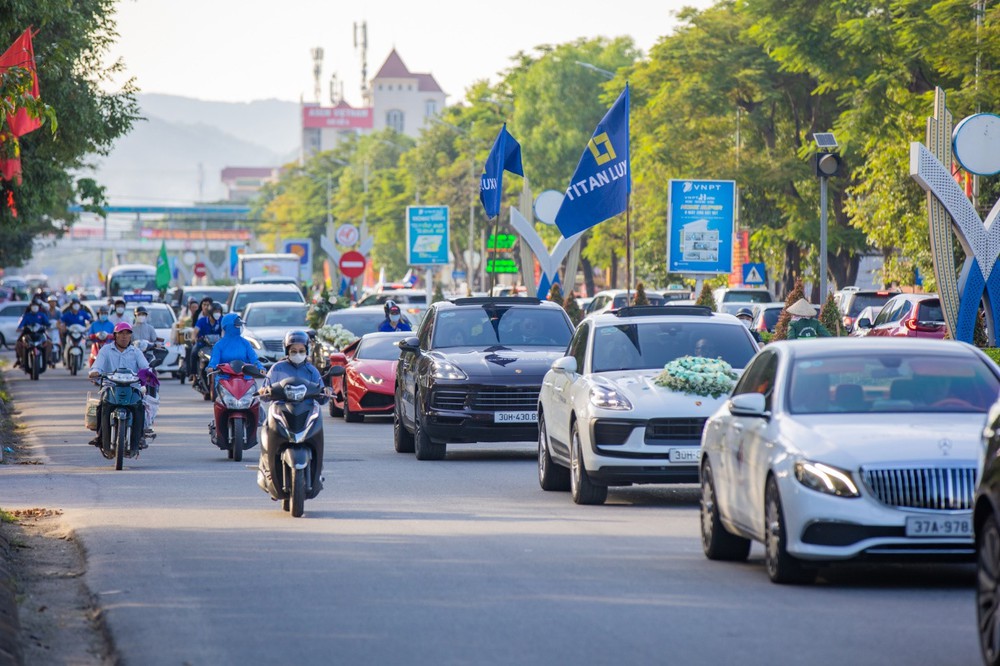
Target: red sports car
(369,379)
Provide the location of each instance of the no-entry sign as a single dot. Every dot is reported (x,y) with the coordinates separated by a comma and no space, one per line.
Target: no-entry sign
(352,264)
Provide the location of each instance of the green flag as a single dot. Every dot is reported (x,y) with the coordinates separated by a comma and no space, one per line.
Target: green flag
(162,268)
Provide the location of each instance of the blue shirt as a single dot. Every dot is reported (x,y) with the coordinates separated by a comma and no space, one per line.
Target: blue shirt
(97,326)
(401,325)
(30,318)
(207,328)
(305,371)
(82,317)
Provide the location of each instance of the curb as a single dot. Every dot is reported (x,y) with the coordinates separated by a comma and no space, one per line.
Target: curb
(10,626)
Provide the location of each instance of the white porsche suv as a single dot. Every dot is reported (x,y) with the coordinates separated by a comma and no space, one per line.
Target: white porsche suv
(602,421)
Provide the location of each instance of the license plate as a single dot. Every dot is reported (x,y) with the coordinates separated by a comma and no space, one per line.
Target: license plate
(951,526)
(689,455)
(515,417)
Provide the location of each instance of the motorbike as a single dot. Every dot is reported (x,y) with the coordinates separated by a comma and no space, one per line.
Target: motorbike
(292,430)
(152,352)
(186,339)
(97,340)
(55,350)
(73,353)
(120,401)
(237,409)
(34,361)
(201,382)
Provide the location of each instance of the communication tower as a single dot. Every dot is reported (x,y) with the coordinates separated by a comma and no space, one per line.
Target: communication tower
(317,56)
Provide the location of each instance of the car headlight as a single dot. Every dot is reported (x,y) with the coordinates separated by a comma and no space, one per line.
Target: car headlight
(825,479)
(371,379)
(255,343)
(446,370)
(608,398)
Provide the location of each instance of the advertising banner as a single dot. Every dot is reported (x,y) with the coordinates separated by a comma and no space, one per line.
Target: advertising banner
(700,219)
(340,117)
(426,235)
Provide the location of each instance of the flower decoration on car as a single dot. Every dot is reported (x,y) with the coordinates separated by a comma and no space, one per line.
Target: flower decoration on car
(336,336)
(698,376)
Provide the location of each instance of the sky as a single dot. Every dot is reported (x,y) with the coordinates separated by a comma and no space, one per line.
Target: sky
(245,50)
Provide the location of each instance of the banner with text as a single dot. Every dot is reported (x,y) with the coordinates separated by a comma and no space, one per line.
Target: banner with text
(700,219)
(426,235)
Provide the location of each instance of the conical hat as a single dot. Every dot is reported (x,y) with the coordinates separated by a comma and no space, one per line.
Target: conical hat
(802,308)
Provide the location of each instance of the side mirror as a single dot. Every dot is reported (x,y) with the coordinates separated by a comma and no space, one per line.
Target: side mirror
(748,404)
(311,333)
(338,358)
(565,364)
(864,322)
(409,344)
(336,371)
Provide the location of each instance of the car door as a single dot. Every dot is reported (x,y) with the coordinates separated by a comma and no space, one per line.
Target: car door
(407,368)
(881,325)
(895,322)
(561,391)
(746,440)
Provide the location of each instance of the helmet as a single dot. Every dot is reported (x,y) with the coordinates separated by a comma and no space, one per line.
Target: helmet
(102,310)
(389,306)
(52,298)
(120,300)
(142,310)
(296,337)
(123,326)
(75,299)
(192,299)
(744,312)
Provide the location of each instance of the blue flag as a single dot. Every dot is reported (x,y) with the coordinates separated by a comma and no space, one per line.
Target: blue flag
(603,178)
(505,155)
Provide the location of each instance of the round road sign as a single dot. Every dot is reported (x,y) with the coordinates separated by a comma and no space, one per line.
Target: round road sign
(200,270)
(352,264)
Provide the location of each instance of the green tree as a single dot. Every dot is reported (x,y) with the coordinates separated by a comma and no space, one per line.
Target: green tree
(555,294)
(69,47)
(640,295)
(830,316)
(572,308)
(705,297)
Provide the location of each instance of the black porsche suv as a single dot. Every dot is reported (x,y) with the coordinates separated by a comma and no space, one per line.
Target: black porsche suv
(473,371)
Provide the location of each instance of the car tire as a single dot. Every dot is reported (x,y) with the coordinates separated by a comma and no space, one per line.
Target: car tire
(423,445)
(335,411)
(782,568)
(550,475)
(582,489)
(717,542)
(349,416)
(987,583)
(402,439)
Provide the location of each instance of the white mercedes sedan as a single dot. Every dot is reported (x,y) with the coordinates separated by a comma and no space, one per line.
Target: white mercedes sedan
(604,420)
(843,448)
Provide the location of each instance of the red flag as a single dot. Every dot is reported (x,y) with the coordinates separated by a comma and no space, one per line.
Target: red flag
(21,54)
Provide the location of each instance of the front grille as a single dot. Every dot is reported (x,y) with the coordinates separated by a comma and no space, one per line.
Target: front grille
(446,399)
(274,345)
(675,430)
(941,488)
(612,433)
(376,400)
(502,399)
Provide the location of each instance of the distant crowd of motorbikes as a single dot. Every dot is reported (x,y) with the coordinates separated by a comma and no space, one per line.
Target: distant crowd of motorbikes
(292,432)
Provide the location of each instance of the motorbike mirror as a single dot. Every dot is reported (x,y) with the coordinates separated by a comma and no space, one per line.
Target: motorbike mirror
(253,371)
(336,371)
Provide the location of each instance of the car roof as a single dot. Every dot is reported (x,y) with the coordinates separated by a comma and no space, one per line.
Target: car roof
(256,305)
(266,286)
(482,301)
(673,313)
(870,344)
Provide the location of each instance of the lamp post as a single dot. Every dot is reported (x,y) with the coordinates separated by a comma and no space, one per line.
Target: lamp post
(594,68)
(827,163)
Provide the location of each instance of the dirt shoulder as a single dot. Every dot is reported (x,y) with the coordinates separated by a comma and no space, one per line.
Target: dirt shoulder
(47,614)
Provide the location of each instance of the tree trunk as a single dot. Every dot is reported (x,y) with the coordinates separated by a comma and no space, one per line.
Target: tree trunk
(793,260)
(614,271)
(588,275)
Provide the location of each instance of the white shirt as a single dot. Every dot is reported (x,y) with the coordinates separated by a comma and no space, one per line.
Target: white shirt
(110,358)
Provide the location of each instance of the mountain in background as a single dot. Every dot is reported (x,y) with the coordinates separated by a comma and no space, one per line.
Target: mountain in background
(176,155)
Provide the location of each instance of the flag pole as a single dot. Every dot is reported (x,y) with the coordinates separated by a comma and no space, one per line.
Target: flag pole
(628,250)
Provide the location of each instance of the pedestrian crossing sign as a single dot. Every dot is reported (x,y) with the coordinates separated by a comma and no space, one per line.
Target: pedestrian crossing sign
(754,274)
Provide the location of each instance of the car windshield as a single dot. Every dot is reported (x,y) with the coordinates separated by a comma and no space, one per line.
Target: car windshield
(379,299)
(891,383)
(747,297)
(356,322)
(124,283)
(264,316)
(488,326)
(379,349)
(246,298)
(654,299)
(771,317)
(862,301)
(158,317)
(654,344)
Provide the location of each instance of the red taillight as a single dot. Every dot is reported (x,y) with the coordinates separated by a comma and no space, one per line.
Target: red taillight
(848,321)
(914,324)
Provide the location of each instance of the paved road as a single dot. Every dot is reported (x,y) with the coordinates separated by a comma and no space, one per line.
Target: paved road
(454,562)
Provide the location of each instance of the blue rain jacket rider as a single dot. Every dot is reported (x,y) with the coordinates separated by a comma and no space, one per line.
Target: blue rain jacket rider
(232,346)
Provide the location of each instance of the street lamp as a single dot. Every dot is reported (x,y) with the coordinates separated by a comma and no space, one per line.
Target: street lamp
(594,68)
(827,163)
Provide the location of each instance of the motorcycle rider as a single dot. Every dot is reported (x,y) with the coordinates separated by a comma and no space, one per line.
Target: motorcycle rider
(142,329)
(296,365)
(208,324)
(121,354)
(75,314)
(745,315)
(232,346)
(119,312)
(101,323)
(393,319)
(34,315)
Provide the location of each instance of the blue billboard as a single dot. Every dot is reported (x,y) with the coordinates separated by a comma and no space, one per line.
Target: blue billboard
(426,235)
(700,226)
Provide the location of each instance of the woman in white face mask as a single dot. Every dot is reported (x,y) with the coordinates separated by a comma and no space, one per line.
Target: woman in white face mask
(745,315)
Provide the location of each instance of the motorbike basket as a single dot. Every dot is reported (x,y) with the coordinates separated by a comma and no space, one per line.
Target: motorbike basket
(90,413)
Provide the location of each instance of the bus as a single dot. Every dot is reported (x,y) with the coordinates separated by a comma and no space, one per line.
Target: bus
(131,279)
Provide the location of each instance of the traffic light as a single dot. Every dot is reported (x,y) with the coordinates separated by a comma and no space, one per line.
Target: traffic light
(828,164)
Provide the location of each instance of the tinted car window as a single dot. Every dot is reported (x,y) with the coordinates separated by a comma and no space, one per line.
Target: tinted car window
(381,349)
(379,299)
(357,323)
(653,300)
(891,383)
(865,300)
(13,310)
(245,298)
(265,316)
(158,317)
(901,311)
(483,327)
(654,344)
(886,312)
(747,296)
(578,346)
(930,310)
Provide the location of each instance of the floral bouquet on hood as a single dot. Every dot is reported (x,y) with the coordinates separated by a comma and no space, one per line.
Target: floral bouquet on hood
(698,375)
(337,336)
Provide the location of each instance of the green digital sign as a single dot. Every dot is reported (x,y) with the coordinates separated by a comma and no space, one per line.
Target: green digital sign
(501,266)
(501,242)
